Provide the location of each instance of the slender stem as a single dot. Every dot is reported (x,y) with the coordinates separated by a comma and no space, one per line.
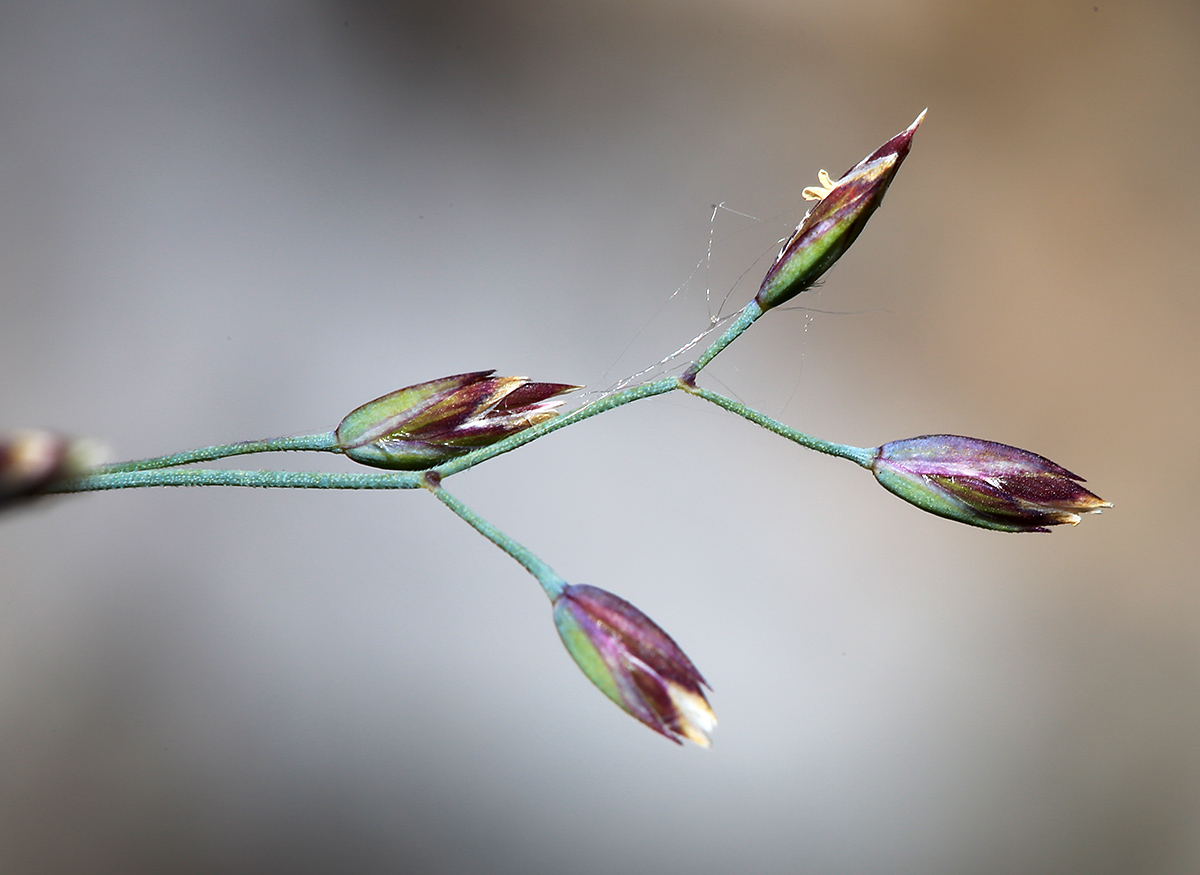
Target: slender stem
(860,455)
(744,320)
(258,479)
(324,442)
(608,402)
(617,399)
(552,584)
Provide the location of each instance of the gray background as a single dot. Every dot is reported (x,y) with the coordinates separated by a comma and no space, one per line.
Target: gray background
(233,220)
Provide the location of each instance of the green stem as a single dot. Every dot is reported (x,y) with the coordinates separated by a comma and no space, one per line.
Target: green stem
(324,442)
(860,455)
(617,399)
(744,320)
(552,584)
(257,479)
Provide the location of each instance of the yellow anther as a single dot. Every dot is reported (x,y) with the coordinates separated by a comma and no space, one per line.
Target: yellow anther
(815,193)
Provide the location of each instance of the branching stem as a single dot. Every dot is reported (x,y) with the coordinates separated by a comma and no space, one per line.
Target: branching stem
(166,470)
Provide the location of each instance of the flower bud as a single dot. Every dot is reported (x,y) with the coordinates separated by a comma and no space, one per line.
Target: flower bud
(983,483)
(424,425)
(634,663)
(33,460)
(835,221)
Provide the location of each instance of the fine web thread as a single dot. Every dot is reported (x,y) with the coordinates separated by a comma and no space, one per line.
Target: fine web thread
(717,320)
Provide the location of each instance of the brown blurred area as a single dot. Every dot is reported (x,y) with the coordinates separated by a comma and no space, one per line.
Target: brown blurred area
(224,221)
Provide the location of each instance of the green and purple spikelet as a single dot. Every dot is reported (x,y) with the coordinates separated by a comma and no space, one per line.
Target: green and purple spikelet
(983,483)
(835,221)
(634,662)
(429,423)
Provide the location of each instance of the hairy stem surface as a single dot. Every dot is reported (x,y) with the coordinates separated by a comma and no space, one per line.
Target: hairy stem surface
(552,584)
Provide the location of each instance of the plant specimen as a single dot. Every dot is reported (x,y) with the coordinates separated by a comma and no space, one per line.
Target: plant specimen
(425,433)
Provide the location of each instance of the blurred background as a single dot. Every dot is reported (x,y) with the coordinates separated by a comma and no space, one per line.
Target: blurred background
(234,220)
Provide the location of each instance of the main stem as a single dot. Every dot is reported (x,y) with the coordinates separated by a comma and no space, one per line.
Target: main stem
(258,479)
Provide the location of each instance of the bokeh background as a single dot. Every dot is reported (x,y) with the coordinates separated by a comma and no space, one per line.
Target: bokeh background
(232,220)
